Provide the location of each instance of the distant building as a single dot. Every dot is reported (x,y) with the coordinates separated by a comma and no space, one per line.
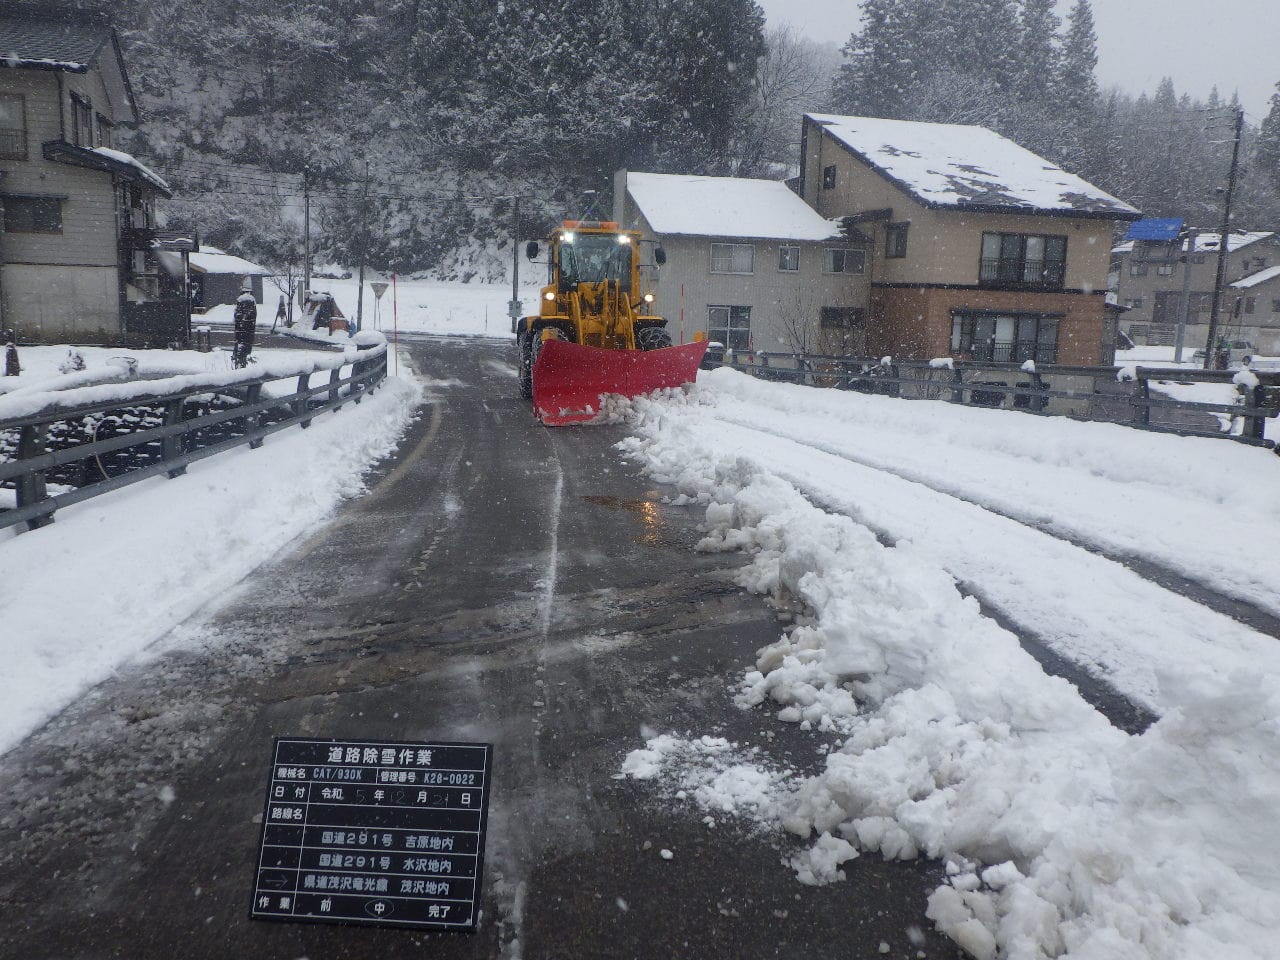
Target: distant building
(1148,279)
(80,256)
(749,263)
(219,277)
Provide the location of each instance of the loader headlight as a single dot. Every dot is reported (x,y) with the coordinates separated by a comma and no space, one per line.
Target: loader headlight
(648,298)
(624,239)
(549,295)
(567,236)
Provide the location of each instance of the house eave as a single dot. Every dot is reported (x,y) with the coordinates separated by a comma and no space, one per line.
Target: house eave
(59,151)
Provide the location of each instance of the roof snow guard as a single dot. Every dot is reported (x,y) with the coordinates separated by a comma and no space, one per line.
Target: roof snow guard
(952,166)
(104,158)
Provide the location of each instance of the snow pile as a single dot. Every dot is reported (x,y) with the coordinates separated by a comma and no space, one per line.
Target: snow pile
(75,606)
(1063,835)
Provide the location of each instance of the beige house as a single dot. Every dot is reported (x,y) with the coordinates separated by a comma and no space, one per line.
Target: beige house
(1148,279)
(749,263)
(1251,311)
(981,249)
(81,259)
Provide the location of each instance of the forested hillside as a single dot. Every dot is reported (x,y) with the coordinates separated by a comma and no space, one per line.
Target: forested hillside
(442,111)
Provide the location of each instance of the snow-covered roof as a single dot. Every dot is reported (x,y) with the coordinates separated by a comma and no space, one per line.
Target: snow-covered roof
(968,167)
(1255,279)
(1208,242)
(130,160)
(212,260)
(734,207)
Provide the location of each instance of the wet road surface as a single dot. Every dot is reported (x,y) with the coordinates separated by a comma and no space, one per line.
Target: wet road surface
(501,582)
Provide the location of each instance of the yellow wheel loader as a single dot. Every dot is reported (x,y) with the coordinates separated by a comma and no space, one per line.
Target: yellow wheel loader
(595,332)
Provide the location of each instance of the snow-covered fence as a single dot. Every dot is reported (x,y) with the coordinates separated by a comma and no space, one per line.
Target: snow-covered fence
(1164,399)
(61,447)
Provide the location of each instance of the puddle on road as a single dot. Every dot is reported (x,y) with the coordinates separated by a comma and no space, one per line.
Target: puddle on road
(646,510)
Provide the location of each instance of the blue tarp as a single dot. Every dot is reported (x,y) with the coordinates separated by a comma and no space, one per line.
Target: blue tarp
(1160,230)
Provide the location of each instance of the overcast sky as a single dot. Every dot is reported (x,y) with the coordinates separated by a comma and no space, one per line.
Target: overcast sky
(1233,43)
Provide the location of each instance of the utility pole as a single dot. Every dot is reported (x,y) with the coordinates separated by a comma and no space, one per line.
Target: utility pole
(364,242)
(306,235)
(514,307)
(1185,306)
(1210,350)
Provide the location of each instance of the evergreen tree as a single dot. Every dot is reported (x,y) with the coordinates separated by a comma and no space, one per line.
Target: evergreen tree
(1266,151)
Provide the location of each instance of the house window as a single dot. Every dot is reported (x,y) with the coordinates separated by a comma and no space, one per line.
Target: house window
(1137,269)
(32,214)
(1165,270)
(13,127)
(1026,260)
(105,128)
(1135,303)
(789,259)
(829,177)
(895,241)
(845,261)
(1197,258)
(730,326)
(733,258)
(1005,338)
(1249,304)
(1275,306)
(81,122)
(840,318)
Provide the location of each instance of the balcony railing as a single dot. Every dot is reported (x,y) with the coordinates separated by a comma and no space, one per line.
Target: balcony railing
(13,144)
(1041,274)
(1004,351)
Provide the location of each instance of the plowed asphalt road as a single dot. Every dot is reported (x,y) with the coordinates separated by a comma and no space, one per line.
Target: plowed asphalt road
(501,582)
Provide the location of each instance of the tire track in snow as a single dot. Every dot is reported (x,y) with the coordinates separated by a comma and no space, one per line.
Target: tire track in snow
(1242,611)
(1088,610)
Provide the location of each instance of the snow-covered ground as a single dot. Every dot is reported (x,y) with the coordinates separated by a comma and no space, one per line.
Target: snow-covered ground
(422,306)
(1063,836)
(104,583)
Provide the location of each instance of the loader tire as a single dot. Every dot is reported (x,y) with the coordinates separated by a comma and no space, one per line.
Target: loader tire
(653,338)
(525,349)
(535,348)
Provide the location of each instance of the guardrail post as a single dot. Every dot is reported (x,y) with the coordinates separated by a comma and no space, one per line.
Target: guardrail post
(171,445)
(1142,410)
(301,399)
(254,420)
(957,381)
(358,387)
(1037,383)
(31,485)
(334,376)
(895,387)
(1255,426)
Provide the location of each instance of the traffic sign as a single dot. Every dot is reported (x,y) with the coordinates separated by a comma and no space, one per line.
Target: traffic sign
(386,833)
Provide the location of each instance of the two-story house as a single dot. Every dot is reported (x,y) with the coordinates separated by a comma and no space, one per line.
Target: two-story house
(1148,278)
(81,259)
(982,249)
(749,263)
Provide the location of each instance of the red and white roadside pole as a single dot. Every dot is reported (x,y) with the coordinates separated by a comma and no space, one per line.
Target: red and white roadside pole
(395,326)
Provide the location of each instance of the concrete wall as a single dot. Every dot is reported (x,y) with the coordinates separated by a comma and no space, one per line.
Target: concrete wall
(943,246)
(76,298)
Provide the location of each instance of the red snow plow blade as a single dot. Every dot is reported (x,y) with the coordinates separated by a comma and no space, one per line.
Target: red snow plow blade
(569,378)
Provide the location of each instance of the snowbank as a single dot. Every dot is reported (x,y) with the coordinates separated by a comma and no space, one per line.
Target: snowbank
(1063,836)
(96,589)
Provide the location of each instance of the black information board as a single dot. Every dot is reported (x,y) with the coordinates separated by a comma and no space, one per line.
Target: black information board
(374,832)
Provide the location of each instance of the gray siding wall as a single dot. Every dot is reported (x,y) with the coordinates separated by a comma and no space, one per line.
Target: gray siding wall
(687,287)
(82,296)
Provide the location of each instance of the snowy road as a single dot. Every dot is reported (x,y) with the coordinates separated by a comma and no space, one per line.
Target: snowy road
(1070,824)
(500,582)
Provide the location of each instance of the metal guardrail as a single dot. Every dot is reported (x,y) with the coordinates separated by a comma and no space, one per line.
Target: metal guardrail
(159,431)
(1048,390)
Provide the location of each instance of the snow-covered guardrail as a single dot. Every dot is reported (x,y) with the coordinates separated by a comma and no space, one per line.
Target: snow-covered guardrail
(61,447)
(1164,399)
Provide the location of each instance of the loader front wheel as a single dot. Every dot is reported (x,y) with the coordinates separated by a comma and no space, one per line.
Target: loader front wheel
(653,338)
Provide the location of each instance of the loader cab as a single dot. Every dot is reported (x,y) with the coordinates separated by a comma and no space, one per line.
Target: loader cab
(594,254)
